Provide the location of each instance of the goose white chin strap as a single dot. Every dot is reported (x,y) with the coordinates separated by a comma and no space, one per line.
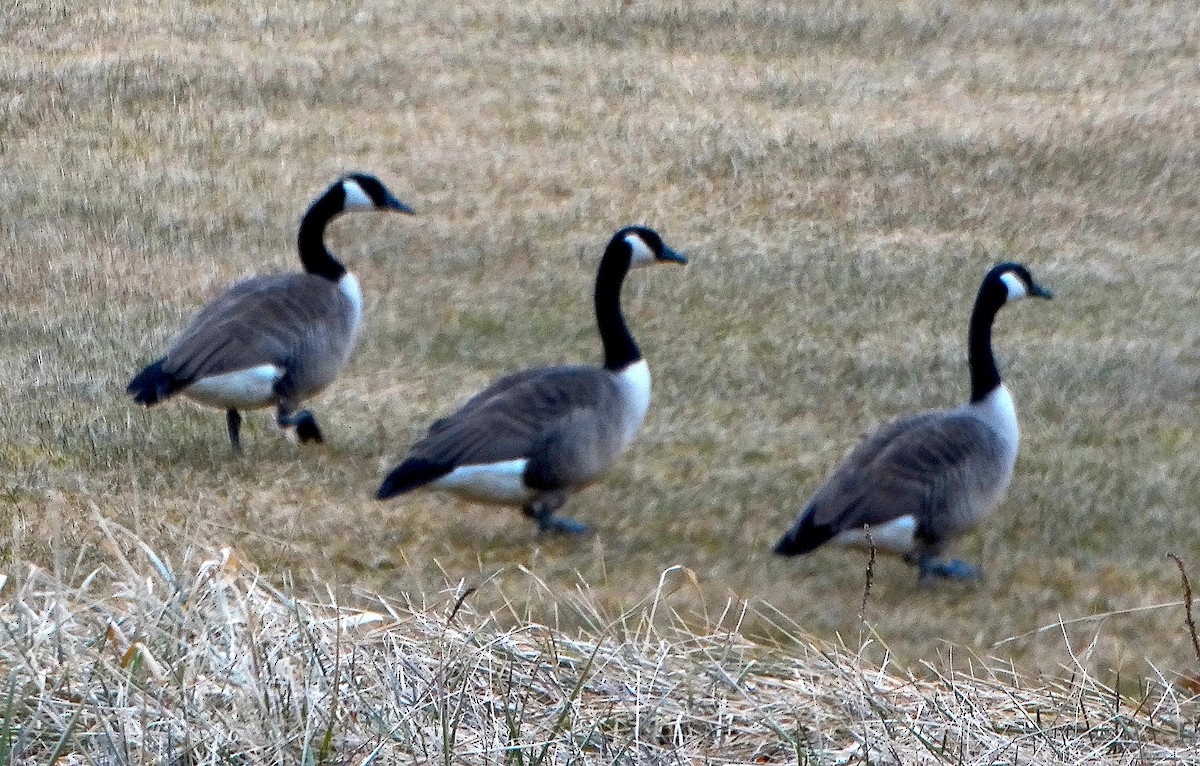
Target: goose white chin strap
(640,252)
(1016,288)
(355,197)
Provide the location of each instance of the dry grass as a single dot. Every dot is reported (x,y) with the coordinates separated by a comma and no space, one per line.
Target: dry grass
(206,662)
(841,174)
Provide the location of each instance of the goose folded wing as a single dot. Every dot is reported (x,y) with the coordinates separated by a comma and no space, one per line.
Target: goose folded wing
(506,385)
(507,419)
(264,320)
(911,467)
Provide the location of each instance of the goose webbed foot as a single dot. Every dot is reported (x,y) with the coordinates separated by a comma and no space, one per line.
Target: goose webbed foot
(304,423)
(233,423)
(542,511)
(307,430)
(562,525)
(952,569)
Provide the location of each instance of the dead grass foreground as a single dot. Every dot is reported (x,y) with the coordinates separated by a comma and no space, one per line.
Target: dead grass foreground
(143,661)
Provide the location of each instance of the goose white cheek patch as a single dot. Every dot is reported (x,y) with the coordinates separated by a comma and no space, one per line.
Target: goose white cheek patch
(1016,288)
(640,252)
(355,196)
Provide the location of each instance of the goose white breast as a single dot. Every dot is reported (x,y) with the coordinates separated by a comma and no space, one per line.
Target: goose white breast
(634,385)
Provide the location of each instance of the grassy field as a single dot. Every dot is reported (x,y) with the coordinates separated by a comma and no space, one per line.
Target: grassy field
(841,175)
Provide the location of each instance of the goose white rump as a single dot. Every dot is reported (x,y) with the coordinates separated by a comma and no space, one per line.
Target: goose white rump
(500,482)
(240,390)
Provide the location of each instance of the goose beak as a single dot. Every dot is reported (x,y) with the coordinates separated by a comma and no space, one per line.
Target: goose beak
(1040,292)
(391,203)
(670,256)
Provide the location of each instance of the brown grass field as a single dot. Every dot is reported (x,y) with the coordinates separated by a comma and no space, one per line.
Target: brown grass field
(841,175)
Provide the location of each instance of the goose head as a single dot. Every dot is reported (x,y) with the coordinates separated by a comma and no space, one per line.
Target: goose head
(1009,282)
(361,191)
(646,247)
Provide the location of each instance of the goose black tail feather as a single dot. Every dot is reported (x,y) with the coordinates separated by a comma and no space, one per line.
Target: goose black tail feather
(804,536)
(412,473)
(153,384)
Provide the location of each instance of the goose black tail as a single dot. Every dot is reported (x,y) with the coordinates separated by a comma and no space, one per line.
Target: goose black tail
(412,473)
(153,384)
(804,536)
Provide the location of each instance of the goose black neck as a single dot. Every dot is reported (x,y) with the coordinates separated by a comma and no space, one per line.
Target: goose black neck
(620,350)
(985,377)
(313,254)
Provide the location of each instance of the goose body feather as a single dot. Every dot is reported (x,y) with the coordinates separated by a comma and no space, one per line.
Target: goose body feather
(286,333)
(944,471)
(553,424)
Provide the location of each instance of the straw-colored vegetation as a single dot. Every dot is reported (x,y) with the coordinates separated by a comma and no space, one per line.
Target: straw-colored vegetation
(209,663)
(841,174)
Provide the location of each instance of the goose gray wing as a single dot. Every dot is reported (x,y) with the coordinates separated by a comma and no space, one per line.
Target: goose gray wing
(517,415)
(262,320)
(930,466)
(492,391)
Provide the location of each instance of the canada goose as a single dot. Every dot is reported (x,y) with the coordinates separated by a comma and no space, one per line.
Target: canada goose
(533,437)
(925,479)
(277,339)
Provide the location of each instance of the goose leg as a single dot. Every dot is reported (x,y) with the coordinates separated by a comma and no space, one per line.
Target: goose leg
(541,509)
(233,423)
(303,421)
